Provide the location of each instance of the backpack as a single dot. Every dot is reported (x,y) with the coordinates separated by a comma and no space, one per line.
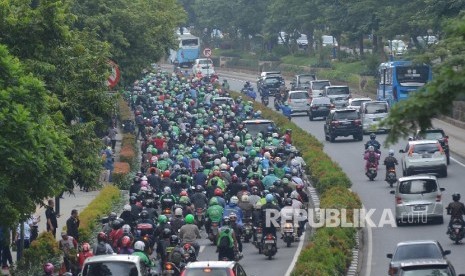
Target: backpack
(225,240)
(101,249)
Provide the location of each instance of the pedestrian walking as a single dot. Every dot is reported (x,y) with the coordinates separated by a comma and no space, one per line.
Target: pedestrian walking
(72,225)
(112,131)
(51,216)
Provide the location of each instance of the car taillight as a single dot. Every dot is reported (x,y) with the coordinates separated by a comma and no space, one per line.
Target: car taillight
(230,272)
(183,273)
(438,198)
(168,267)
(358,122)
(392,271)
(334,123)
(398,200)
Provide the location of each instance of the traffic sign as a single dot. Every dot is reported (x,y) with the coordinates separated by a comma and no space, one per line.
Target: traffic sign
(207,52)
(113,79)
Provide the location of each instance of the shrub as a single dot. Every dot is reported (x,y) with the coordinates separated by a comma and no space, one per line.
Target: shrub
(128,155)
(125,112)
(120,174)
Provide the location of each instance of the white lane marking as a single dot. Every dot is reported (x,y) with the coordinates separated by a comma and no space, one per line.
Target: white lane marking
(458,162)
(296,255)
(202,247)
(370,248)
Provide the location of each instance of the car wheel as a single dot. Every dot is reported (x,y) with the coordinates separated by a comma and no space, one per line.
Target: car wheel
(332,138)
(399,222)
(448,158)
(310,116)
(444,173)
(441,220)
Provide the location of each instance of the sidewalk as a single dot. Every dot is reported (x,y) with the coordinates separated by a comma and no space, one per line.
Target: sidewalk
(456,136)
(79,200)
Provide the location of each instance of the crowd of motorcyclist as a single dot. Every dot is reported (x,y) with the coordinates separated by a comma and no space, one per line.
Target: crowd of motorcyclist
(201,169)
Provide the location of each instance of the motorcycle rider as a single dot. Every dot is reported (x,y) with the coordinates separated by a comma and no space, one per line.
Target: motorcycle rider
(167,200)
(287,215)
(374,143)
(139,250)
(237,231)
(177,221)
(102,247)
(269,208)
(199,199)
(227,241)
(189,233)
(233,208)
(246,206)
(371,157)
(390,162)
(456,210)
(214,213)
(286,110)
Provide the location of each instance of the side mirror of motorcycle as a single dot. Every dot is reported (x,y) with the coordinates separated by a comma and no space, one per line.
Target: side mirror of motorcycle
(446,252)
(442,189)
(392,192)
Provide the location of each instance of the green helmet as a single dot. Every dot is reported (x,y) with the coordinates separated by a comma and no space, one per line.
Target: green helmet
(162,219)
(285,181)
(189,219)
(184,200)
(154,151)
(253,153)
(213,201)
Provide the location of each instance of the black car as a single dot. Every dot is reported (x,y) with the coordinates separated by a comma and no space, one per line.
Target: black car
(302,81)
(436,134)
(320,107)
(272,83)
(343,122)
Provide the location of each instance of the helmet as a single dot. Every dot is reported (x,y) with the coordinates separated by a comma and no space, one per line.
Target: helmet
(139,245)
(372,136)
(294,195)
(226,220)
(189,219)
(178,212)
(391,152)
(174,240)
(49,268)
(244,187)
(126,241)
(183,193)
(167,233)
(101,236)
(86,247)
(127,207)
(456,197)
(162,219)
(112,216)
(126,228)
(213,201)
(269,198)
(371,148)
(166,174)
(144,214)
(299,187)
(218,192)
(234,200)
(232,216)
(167,190)
(288,202)
(199,188)
(245,198)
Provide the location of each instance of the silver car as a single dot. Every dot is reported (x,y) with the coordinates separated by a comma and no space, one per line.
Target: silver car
(339,95)
(418,199)
(299,101)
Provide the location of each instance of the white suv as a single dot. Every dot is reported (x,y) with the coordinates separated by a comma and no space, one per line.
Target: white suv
(204,66)
(116,265)
(424,156)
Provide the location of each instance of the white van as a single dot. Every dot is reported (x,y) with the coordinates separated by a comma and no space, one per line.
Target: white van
(328,40)
(372,114)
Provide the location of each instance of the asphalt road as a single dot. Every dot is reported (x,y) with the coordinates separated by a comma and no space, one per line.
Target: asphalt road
(374,195)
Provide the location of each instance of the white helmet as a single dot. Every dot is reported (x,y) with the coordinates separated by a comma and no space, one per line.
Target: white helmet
(144,178)
(167,190)
(234,200)
(139,245)
(223,167)
(245,198)
(248,142)
(126,228)
(217,161)
(275,135)
(178,212)
(391,152)
(371,148)
(294,195)
(267,155)
(224,160)
(237,139)
(127,207)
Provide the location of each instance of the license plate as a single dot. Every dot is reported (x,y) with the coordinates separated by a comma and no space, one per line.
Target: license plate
(419,208)
(426,156)
(269,241)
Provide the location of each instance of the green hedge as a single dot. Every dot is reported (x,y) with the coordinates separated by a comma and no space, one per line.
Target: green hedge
(329,251)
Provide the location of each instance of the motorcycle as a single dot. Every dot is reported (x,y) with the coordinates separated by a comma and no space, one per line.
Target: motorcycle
(269,247)
(265,101)
(170,268)
(213,235)
(277,103)
(372,171)
(391,177)
(258,236)
(248,229)
(199,217)
(288,233)
(144,232)
(456,231)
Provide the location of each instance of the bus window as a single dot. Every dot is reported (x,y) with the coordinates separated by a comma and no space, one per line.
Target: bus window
(418,74)
(190,42)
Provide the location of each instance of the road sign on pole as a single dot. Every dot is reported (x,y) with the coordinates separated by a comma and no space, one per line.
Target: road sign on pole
(207,52)
(113,79)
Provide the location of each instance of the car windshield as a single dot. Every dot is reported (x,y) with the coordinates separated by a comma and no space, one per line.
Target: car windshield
(210,271)
(425,148)
(373,108)
(338,91)
(255,127)
(418,186)
(190,42)
(298,95)
(428,271)
(306,79)
(272,80)
(346,115)
(358,102)
(417,251)
(205,61)
(433,135)
(110,269)
(320,85)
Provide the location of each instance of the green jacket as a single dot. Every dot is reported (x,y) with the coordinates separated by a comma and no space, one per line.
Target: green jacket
(228,232)
(215,213)
(143,257)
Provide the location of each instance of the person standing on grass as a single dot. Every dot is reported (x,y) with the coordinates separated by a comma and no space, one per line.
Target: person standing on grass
(72,225)
(51,216)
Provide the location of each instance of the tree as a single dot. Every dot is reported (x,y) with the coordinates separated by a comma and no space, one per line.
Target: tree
(33,142)
(437,96)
